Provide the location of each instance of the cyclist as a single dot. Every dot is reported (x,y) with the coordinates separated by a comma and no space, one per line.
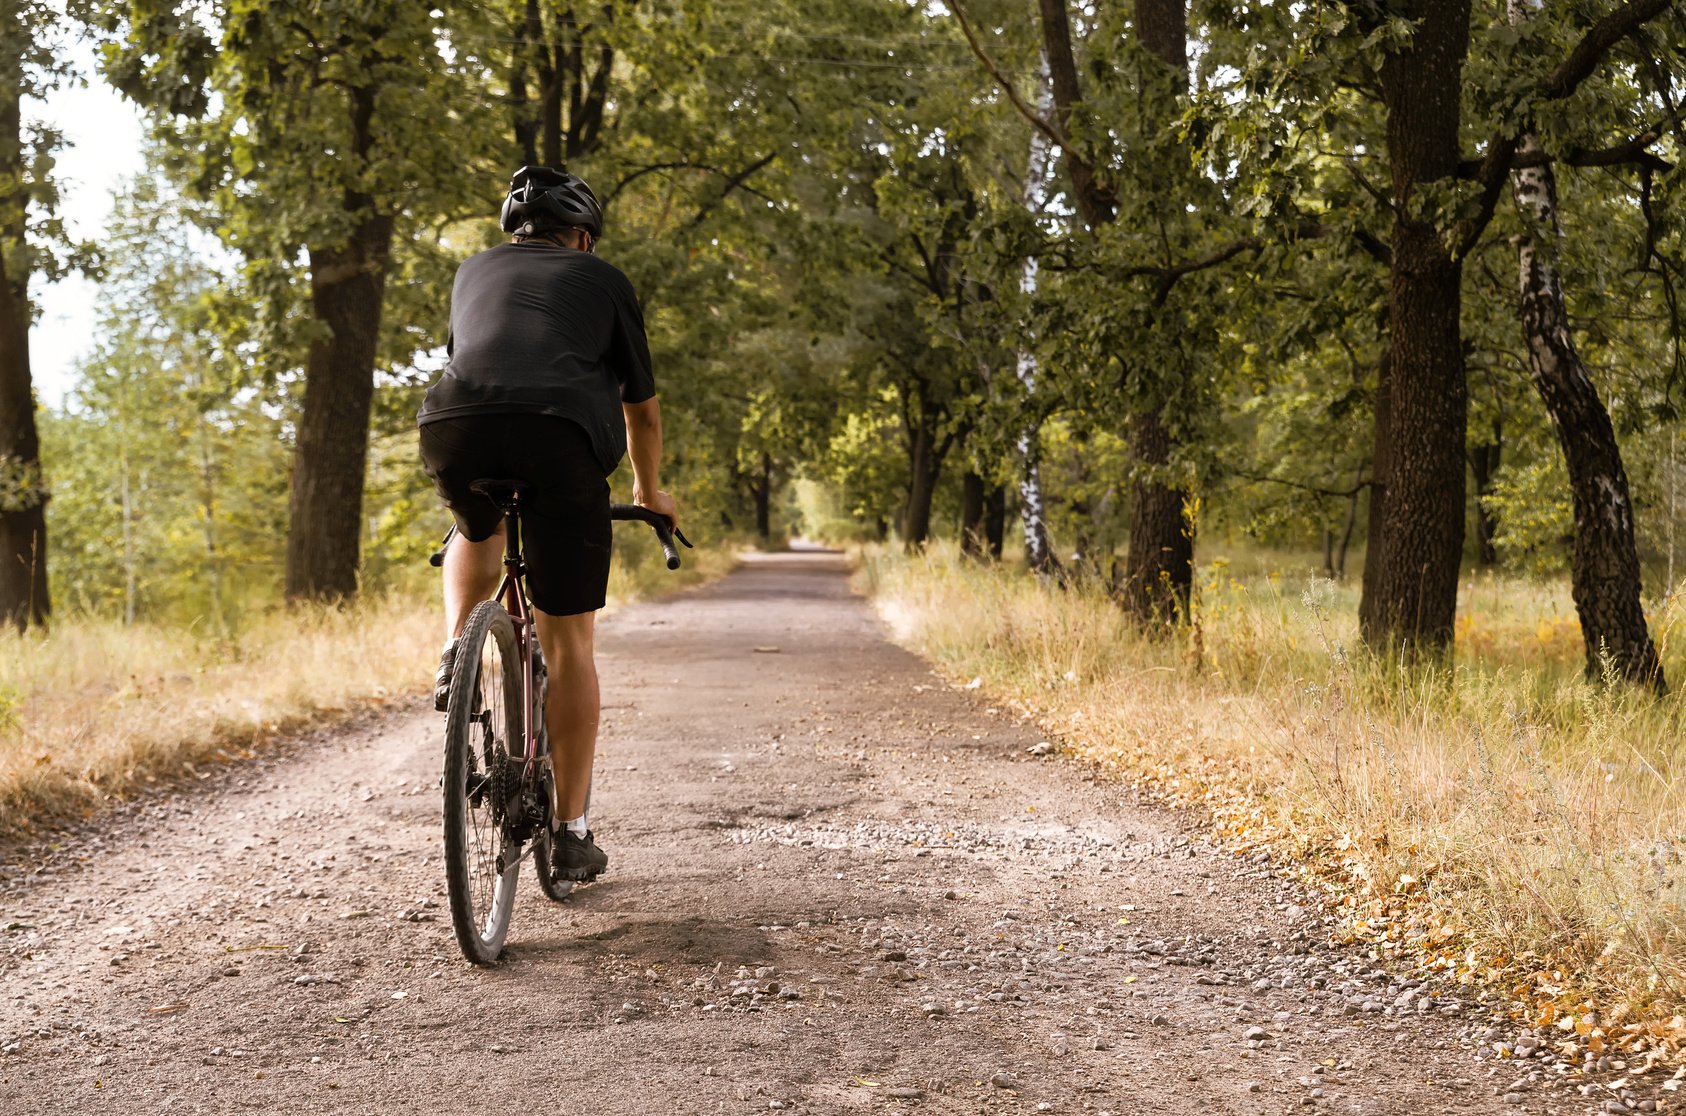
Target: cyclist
(548,382)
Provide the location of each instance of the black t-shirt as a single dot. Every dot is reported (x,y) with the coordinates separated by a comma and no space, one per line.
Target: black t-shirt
(547,330)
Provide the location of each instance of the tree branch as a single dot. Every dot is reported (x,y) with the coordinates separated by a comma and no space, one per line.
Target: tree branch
(1098,203)
(677,164)
(1305,230)
(732,183)
(1579,65)
(1366,185)
(1374,246)
(1493,172)
(1587,53)
(1037,120)
(1634,152)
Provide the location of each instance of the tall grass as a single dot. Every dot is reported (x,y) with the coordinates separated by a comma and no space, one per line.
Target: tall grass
(91,709)
(1499,819)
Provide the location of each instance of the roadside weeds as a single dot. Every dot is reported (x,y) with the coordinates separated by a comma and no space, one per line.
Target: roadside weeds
(92,710)
(1509,828)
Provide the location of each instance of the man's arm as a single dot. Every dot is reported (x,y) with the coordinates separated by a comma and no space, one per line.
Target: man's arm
(644,446)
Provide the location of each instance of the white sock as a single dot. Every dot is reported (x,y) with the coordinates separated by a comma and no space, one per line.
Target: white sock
(576,826)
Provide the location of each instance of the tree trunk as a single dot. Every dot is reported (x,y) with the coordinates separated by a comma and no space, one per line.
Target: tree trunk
(1673,508)
(529,31)
(572,102)
(1417,585)
(126,507)
(972,542)
(921,485)
(326,508)
(1094,201)
(1605,569)
(1346,531)
(1159,565)
(764,500)
(1038,551)
(550,100)
(1484,462)
(995,520)
(1375,535)
(208,512)
(23,487)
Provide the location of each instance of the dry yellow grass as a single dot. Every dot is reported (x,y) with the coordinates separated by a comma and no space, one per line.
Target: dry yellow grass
(91,709)
(1502,821)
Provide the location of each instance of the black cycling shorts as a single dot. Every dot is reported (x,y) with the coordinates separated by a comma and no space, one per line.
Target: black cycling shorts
(565,528)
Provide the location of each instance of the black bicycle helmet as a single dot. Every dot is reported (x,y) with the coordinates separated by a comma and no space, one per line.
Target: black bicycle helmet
(547,200)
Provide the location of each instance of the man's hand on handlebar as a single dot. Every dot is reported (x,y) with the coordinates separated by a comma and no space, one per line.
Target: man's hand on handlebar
(659,502)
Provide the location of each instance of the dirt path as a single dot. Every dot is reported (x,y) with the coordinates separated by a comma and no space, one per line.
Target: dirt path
(836,885)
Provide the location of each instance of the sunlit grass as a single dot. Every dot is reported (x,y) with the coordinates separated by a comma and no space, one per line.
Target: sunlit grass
(1498,816)
(91,709)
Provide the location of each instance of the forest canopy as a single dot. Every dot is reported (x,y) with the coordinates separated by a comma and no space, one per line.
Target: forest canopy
(1094,284)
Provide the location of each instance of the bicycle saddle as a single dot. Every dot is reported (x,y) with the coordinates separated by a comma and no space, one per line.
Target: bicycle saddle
(503,493)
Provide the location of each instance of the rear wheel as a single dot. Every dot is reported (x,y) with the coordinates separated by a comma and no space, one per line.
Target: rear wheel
(483,723)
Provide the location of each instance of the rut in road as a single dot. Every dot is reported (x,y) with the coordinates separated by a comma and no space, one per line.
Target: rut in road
(836,884)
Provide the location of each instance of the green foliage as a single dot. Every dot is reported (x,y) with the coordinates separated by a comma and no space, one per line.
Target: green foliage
(170,475)
(866,468)
(1536,522)
(1088,510)
(34,41)
(299,121)
(822,207)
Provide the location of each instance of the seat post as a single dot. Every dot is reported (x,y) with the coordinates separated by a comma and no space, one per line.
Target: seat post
(512,533)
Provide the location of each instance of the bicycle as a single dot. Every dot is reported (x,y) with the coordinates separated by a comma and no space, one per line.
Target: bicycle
(497,799)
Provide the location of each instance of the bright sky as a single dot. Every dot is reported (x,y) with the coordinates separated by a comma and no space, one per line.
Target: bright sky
(103,137)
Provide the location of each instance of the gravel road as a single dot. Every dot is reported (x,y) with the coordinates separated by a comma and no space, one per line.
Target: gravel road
(837,884)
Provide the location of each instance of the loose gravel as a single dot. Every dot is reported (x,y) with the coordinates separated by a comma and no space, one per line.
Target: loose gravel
(836,885)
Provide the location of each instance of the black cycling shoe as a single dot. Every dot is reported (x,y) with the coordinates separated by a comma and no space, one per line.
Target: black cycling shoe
(442,680)
(576,858)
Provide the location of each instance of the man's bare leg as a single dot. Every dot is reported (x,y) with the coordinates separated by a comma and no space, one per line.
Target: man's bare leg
(571,710)
(472,573)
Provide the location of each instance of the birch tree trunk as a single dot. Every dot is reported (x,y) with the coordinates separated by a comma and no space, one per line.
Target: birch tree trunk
(1605,566)
(1038,552)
